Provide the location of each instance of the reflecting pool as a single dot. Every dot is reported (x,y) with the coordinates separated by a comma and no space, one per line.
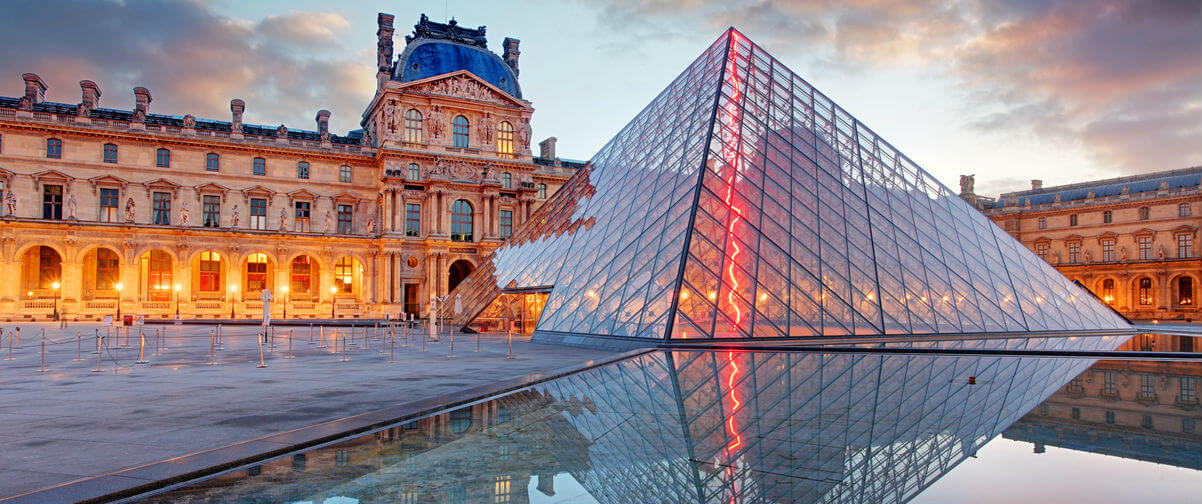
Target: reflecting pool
(702,426)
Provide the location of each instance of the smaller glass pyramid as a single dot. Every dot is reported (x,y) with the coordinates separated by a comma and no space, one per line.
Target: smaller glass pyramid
(742,203)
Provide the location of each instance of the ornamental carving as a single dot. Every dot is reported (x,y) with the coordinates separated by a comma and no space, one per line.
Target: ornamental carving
(523,133)
(461,87)
(437,123)
(189,121)
(391,122)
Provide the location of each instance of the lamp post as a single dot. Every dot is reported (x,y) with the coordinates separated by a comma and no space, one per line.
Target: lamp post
(118,287)
(56,287)
(176,301)
(333,290)
(233,290)
(284,289)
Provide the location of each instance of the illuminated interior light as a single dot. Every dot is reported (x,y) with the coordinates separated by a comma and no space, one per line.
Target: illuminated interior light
(684,294)
(763,297)
(712,295)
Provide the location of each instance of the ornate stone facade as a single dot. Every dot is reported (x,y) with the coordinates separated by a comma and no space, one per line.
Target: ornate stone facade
(108,210)
(1131,240)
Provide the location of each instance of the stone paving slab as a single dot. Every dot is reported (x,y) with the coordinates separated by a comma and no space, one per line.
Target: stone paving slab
(68,423)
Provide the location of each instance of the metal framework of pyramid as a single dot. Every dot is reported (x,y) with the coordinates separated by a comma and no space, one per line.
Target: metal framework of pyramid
(743,203)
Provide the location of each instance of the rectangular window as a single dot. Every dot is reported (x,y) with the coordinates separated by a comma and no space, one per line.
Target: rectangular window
(107,267)
(506,223)
(162,158)
(258,213)
(1147,387)
(1042,223)
(212,162)
(302,212)
(1145,247)
(110,153)
(542,191)
(414,172)
(1146,422)
(1041,249)
(211,211)
(1072,220)
(1189,391)
(302,170)
(1107,217)
(344,219)
(108,205)
(52,202)
(413,219)
(1110,417)
(1074,252)
(1187,425)
(1183,210)
(54,148)
(1076,413)
(161,208)
(1185,245)
(210,272)
(1109,383)
(259,167)
(344,174)
(1108,250)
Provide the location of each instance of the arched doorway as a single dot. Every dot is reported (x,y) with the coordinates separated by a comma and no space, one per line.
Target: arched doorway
(41,272)
(459,270)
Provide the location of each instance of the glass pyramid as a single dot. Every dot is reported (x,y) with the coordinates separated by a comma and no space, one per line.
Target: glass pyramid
(743,203)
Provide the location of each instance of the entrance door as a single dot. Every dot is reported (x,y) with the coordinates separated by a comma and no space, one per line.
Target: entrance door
(410,299)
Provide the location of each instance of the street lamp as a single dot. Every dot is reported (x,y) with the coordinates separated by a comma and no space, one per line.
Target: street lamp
(56,286)
(233,289)
(333,290)
(118,287)
(284,289)
(176,301)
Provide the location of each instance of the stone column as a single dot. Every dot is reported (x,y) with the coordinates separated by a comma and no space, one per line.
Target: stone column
(486,227)
(375,277)
(71,288)
(396,276)
(442,274)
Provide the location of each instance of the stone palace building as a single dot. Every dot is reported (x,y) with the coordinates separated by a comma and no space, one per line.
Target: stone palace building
(106,211)
(1131,240)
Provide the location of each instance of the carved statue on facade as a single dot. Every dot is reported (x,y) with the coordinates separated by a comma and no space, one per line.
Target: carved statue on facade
(184,213)
(10,203)
(189,121)
(235,216)
(371,222)
(129,210)
(1123,254)
(139,116)
(365,140)
(329,222)
(236,125)
(1088,257)
(281,132)
(83,110)
(1160,253)
(72,205)
(486,129)
(283,219)
(437,122)
(523,133)
(390,120)
(462,87)
(491,172)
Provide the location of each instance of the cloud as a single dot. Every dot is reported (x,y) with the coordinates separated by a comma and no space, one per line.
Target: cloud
(1122,78)
(193,60)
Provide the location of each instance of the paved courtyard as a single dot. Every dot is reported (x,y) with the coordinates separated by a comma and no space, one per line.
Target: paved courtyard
(70,423)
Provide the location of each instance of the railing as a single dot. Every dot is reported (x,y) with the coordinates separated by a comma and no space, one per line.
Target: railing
(304,306)
(209,305)
(100,305)
(156,305)
(252,305)
(37,304)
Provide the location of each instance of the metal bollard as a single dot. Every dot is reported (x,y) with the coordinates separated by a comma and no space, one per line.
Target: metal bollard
(10,337)
(141,349)
(510,338)
(158,343)
(452,355)
(220,339)
(343,357)
(10,346)
(290,356)
(212,345)
(98,343)
(310,333)
(477,341)
(43,368)
(261,363)
(78,347)
(126,345)
(322,343)
(392,348)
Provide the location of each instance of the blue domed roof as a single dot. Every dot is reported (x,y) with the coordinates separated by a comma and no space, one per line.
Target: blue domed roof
(427,58)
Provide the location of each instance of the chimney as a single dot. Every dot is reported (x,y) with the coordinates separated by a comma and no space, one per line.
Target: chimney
(383,48)
(35,90)
(546,148)
(546,483)
(511,53)
(142,101)
(1036,184)
(90,99)
(237,106)
(323,124)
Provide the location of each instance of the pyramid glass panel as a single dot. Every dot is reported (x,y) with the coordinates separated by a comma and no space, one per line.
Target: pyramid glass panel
(745,205)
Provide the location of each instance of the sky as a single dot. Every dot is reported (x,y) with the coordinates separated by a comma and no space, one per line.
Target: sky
(1062,91)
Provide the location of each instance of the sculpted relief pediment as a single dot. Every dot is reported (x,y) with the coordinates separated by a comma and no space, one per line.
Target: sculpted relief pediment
(463,85)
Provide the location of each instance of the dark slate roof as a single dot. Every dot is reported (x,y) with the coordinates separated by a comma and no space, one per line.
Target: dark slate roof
(351,138)
(426,58)
(1187,177)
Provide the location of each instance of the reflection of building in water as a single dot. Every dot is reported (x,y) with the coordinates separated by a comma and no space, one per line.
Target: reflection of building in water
(486,452)
(1143,410)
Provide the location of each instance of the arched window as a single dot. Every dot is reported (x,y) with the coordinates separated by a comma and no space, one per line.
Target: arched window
(1108,290)
(461,221)
(54,148)
(542,191)
(459,131)
(344,275)
(256,272)
(414,171)
(1145,292)
(413,126)
(107,267)
(210,272)
(505,139)
(507,180)
(1185,291)
(212,162)
(162,158)
(1144,213)
(302,275)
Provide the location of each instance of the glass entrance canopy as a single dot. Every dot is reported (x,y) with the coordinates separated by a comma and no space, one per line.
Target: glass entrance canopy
(744,204)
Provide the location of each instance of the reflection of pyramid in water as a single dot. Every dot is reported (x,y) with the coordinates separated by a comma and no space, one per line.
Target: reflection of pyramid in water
(742,203)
